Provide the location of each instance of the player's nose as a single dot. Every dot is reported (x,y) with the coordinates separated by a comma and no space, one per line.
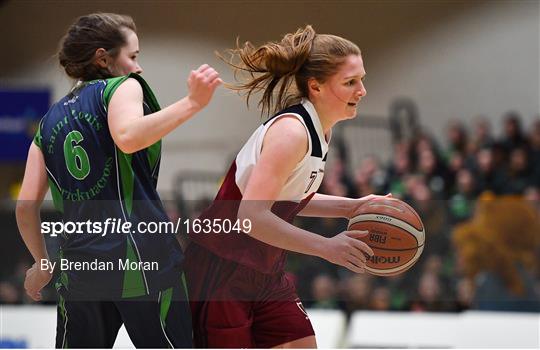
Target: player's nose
(362,91)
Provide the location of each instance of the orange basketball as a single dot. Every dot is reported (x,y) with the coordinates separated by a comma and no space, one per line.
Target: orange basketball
(396,235)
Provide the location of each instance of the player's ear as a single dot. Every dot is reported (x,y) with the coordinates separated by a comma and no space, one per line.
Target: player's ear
(102,58)
(314,86)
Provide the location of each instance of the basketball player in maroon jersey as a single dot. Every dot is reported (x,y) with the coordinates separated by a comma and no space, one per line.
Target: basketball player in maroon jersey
(240,296)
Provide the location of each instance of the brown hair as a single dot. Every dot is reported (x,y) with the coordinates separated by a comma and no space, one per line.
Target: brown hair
(86,35)
(296,58)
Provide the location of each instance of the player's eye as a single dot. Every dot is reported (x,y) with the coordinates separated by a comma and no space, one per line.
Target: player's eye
(351,82)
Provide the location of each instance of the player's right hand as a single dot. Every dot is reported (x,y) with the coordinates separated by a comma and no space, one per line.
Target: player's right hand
(201,84)
(35,280)
(347,250)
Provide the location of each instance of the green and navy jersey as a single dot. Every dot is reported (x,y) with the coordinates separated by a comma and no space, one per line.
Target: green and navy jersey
(92,179)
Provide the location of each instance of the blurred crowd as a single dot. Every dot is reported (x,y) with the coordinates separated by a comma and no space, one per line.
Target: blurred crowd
(444,184)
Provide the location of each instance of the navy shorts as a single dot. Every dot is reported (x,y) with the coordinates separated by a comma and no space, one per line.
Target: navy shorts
(159,320)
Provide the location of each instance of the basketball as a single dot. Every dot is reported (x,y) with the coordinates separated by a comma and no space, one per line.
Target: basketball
(396,235)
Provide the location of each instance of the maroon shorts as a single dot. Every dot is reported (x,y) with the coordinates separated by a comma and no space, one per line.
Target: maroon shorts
(234,306)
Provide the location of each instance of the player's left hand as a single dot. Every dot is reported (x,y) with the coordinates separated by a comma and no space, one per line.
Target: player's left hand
(358,203)
(35,280)
(201,85)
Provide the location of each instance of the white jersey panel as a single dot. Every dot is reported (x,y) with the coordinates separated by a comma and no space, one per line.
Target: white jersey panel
(307,175)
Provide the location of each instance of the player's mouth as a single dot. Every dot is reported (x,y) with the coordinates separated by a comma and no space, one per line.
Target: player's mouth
(352,104)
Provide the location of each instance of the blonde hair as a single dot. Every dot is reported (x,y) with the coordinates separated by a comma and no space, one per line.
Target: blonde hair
(281,70)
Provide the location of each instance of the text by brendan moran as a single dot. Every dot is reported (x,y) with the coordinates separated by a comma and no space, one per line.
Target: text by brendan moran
(96,265)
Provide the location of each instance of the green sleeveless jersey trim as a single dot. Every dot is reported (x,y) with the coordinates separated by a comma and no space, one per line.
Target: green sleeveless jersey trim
(124,160)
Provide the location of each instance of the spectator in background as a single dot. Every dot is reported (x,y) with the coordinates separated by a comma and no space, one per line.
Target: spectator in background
(438,264)
(9,294)
(324,292)
(422,142)
(500,156)
(532,194)
(380,299)
(336,181)
(489,178)
(414,182)
(356,292)
(369,177)
(513,134)
(462,201)
(400,289)
(434,172)
(518,176)
(429,295)
(457,138)
(455,164)
(482,136)
(464,294)
(433,264)
(399,168)
(432,212)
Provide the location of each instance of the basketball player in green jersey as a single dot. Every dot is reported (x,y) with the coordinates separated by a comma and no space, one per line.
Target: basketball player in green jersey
(98,149)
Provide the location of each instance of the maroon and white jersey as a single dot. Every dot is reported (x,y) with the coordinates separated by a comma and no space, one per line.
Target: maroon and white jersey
(308,173)
(299,188)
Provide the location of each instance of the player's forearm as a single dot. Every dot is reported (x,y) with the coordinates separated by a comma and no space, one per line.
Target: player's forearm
(146,130)
(29,224)
(270,229)
(326,206)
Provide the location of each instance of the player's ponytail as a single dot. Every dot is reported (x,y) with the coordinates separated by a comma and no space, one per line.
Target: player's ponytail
(280,70)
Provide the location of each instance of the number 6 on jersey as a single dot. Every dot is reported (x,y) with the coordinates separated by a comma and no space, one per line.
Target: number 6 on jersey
(77,161)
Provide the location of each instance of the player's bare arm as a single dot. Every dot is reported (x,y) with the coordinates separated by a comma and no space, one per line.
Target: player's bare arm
(277,161)
(327,206)
(33,190)
(133,131)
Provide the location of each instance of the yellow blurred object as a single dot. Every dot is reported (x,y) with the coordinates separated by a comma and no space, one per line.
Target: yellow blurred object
(504,233)
(14,190)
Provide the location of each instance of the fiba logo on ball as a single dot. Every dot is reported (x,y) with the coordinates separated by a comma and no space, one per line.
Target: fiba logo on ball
(396,235)
(378,237)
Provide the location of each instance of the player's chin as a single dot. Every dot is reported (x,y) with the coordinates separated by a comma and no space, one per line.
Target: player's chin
(350,113)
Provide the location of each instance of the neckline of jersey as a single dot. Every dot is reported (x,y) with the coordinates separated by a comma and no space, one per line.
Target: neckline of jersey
(310,108)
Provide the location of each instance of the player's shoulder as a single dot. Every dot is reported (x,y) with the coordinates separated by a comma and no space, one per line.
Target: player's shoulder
(288,125)
(131,87)
(124,87)
(287,136)
(130,83)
